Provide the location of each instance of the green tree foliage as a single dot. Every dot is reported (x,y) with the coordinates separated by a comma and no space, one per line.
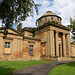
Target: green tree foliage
(72,26)
(15,11)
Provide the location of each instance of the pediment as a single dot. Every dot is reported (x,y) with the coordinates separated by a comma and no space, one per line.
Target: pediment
(10,30)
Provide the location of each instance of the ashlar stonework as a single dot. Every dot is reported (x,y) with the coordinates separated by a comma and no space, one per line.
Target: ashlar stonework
(51,41)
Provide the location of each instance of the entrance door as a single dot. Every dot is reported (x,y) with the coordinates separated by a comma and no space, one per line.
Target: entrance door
(43,49)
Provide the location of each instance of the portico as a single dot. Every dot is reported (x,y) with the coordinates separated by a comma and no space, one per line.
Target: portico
(58,43)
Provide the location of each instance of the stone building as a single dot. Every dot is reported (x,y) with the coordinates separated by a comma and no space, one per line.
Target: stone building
(51,41)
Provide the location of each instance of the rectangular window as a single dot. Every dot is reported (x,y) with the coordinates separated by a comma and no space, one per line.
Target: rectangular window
(7,44)
(30,49)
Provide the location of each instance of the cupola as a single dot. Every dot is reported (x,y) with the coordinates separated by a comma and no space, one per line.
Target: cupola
(49,16)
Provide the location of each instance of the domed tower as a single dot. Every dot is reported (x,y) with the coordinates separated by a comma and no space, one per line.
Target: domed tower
(49,16)
(55,38)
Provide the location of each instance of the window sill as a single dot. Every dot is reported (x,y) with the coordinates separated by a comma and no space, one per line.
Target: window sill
(7,53)
(31,54)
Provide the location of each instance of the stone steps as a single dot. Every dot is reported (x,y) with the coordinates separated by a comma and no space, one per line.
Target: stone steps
(47,58)
(65,59)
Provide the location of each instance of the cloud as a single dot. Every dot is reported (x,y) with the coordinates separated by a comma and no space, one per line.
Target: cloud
(29,23)
(1,0)
(0,23)
(64,8)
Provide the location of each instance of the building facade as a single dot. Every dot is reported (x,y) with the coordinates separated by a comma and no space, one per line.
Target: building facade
(51,41)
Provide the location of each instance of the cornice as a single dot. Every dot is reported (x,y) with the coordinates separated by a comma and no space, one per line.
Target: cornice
(52,24)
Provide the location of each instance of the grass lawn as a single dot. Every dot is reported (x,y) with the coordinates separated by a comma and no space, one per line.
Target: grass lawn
(6,67)
(65,69)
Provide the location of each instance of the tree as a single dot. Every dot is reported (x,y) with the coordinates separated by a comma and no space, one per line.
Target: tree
(72,26)
(15,11)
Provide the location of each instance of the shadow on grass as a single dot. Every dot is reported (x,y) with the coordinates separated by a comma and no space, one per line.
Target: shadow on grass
(4,70)
(72,64)
(62,62)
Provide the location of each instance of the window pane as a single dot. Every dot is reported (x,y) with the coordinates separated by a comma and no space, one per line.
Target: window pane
(7,44)
(31,52)
(30,49)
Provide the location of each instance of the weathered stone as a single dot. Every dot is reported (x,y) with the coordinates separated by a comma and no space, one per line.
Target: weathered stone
(51,41)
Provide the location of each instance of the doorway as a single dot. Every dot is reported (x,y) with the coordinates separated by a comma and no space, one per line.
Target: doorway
(43,49)
(59,50)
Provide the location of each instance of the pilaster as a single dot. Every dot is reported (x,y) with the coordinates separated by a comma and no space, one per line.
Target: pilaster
(2,45)
(50,49)
(47,43)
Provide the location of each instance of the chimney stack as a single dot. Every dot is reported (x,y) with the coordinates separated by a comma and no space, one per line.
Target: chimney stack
(19,27)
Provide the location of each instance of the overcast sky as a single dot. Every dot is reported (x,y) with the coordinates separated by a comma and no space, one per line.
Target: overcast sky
(64,8)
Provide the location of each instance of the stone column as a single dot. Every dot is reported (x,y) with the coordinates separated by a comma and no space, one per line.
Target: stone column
(64,44)
(48,43)
(68,44)
(61,50)
(52,46)
(56,41)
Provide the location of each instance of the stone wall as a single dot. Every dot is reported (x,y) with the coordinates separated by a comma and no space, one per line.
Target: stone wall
(49,18)
(19,48)
(26,33)
(36,50)
(72,50)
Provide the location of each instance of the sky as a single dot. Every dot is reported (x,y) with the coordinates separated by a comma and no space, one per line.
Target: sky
(1,0)
(64,8)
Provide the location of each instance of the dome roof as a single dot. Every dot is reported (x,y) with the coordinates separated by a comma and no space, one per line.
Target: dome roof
(49,13)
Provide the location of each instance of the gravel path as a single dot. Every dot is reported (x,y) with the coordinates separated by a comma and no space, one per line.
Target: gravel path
(42,69)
